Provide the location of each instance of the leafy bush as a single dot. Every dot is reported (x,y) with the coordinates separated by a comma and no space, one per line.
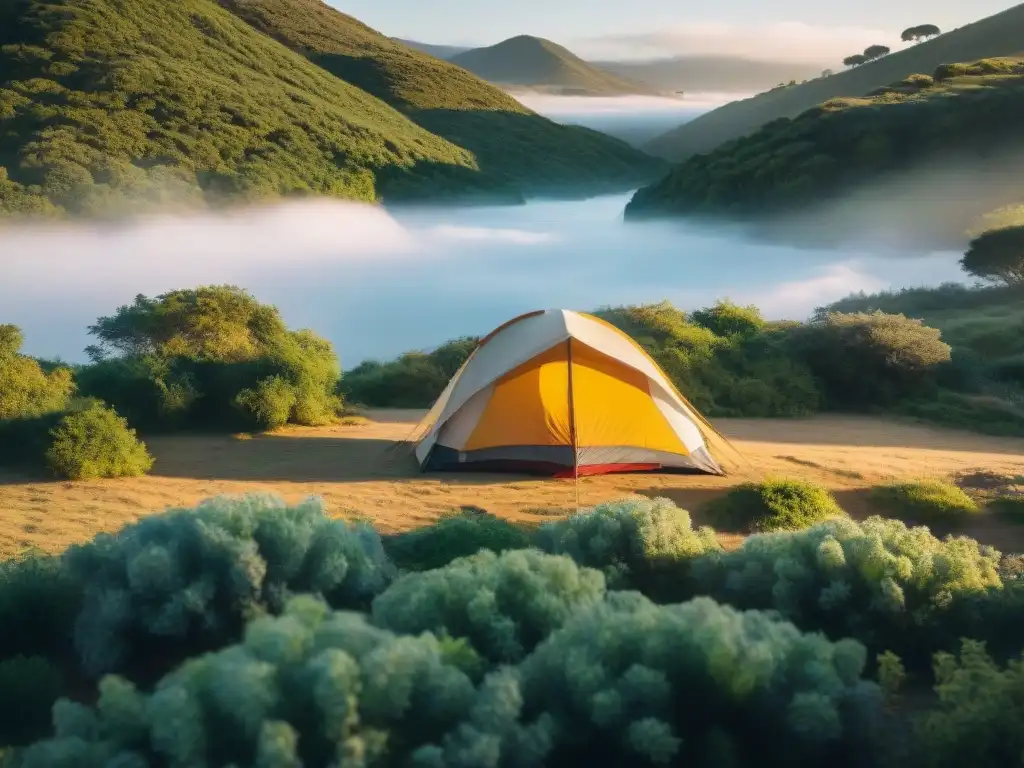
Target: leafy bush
(504,605)
(29,686)
(96,442)
(872,359)
(455,534)
(631,682)
(1012,507)
(889,586)
(414,380)
(184,581)
(925,501)
(774,505)
(637,543)
(728,319)
(210,358)
(26,390)
(622,681)
(978,719)
(310,687)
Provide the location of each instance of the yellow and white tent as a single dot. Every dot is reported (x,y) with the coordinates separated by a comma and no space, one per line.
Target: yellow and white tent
(564,393)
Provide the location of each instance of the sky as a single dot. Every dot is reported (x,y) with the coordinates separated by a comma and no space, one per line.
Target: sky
(808,30)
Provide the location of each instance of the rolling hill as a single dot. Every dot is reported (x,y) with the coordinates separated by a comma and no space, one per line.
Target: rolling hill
(533,62)
(927,155)
(107,106)
(994,36)
(717,74)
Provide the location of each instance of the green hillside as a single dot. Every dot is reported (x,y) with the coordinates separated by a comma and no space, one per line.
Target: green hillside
(437,51)
(108,106)
(998,35)
(537,63)
(509,141)
(966,116)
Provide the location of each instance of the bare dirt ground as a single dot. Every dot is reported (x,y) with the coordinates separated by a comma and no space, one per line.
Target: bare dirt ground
(358,472)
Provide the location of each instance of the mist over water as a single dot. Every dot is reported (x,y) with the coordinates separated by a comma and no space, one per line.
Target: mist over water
(378,283)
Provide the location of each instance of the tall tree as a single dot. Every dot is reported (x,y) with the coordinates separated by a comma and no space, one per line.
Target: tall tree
(873,52)
(854,61)
(920,32)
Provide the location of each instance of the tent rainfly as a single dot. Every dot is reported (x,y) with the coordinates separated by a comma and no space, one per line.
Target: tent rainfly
(566,394)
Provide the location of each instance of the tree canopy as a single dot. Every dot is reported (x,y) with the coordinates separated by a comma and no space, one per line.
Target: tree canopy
(920,32)
(997,255)
(854,61)
(873,52)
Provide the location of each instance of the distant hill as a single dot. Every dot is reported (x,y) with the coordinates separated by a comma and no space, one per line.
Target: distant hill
(720,74)
(108,106)
(438,51)
(924,157)
(533,62)
(998,35)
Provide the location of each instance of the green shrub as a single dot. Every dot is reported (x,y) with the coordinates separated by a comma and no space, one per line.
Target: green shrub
(978,718)
(183,581)
(728,319)
(1011,507)
(892,587)
(414,380)
(918,81)
(504,605)
(456,534)
(773,505)
(874,358)
(96,442)
(26,390)
(949,71)
(623,681)
(925,502)
(29,686)
(643,544)
(629,682)
(210,358)
(39,600)
(301,689)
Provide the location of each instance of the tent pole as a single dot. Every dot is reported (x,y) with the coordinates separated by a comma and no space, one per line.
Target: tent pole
(572,428)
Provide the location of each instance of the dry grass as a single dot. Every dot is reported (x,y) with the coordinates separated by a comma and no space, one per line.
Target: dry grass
(359,472)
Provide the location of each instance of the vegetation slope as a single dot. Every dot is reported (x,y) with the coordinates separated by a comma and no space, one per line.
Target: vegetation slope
(994,36)
(539,63)
(509,141)
(108,106)
(964,114)
(712,72)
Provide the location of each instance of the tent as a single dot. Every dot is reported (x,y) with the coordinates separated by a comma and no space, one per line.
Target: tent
(562,393)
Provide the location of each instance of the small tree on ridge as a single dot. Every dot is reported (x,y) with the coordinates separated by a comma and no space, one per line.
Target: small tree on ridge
(997,255)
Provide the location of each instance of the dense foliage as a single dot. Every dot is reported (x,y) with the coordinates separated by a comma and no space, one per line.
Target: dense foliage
(26,390)
(107,108)
(184,581)
(997,254)
(796,164)
(773,505)
(453,535)
(211,357)
(927,501)
(728,361)
(519,658)
(643,544)
(95,442)
(890,586)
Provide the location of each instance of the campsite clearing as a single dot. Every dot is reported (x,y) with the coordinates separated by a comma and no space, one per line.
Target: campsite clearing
(361,470)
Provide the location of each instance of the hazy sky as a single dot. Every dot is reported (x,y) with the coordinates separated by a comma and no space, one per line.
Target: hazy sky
(791,29)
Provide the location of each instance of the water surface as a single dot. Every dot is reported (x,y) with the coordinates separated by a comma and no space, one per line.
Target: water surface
(378,283)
